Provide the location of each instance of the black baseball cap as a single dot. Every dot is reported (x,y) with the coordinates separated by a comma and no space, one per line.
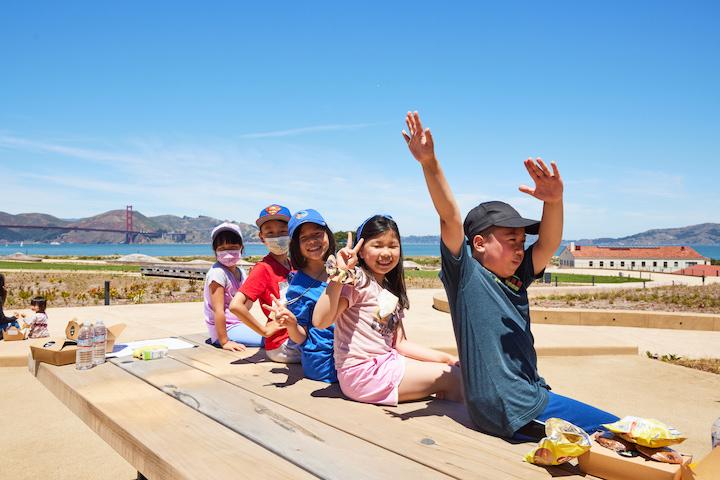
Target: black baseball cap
(496,214)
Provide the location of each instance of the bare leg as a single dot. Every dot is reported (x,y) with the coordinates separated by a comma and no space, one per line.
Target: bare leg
(422,379)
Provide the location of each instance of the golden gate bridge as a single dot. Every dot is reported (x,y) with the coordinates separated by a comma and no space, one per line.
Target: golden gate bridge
(130,233)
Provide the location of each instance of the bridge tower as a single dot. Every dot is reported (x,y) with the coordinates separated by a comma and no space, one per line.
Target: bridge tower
(128,224)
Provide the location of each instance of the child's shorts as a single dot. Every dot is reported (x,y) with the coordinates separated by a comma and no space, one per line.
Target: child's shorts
(375,380)
(285,353)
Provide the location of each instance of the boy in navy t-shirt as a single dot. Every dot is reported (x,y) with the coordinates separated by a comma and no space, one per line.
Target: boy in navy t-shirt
(486,285)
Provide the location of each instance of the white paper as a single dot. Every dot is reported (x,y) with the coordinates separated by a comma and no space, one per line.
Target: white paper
(170,342)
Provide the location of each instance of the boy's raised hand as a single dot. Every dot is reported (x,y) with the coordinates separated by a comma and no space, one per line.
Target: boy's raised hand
(419,141)
(548,185)
(347,257)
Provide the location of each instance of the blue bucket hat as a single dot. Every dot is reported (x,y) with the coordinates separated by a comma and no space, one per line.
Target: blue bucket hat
(305,216)
(273,212)
(362,225)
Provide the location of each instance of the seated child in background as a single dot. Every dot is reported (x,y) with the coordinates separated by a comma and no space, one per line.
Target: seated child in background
(221,284)
(311,243)
(486,285)
(5,322)
(38,323)
(375,361)
(264,283)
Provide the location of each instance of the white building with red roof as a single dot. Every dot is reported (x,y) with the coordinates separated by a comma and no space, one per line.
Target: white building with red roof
(654,259)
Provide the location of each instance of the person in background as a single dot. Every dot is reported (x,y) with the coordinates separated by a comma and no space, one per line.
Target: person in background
(5,322)
(38,323)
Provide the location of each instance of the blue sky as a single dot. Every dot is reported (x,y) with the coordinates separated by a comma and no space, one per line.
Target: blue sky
(219,108)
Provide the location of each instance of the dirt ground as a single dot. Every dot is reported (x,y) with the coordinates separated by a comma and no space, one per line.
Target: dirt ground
(77,289)
(678,298)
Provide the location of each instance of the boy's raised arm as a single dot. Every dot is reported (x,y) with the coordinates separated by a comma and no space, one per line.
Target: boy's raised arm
(549,189)
(420,143)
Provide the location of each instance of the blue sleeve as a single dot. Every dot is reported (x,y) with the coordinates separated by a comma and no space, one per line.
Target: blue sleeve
(452,267)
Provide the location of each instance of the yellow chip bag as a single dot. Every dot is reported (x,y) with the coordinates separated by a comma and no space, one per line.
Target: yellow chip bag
(564,441)
(150,352)
(647,432)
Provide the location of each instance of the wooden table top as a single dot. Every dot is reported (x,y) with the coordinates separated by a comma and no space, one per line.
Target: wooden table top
(207,413)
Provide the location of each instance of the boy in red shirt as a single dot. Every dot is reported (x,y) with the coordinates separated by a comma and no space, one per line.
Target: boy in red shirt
(266,280)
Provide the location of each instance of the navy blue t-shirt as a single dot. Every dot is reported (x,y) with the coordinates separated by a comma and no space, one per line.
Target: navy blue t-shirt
(491,319)
(317,350)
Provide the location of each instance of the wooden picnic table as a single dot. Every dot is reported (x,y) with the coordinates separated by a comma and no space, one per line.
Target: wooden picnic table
(207,413)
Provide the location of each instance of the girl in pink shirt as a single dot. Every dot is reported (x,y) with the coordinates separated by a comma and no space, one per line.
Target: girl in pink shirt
(375,361)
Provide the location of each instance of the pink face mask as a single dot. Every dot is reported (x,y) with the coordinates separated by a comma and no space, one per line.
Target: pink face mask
(229,258)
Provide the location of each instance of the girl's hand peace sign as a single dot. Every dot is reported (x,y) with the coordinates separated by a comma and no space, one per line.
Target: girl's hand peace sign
(280,313)
(347,257)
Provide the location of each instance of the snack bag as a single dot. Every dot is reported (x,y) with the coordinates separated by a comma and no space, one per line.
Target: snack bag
(564,441)
(647,432)
(387,302)
(151,352)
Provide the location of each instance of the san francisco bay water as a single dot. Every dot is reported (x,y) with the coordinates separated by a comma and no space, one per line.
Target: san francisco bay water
(187,250)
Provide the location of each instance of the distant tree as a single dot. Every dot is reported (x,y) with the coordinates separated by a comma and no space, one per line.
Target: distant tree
(715,261)
(341,238)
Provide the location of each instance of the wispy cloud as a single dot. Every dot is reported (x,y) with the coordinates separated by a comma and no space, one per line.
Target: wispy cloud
(304,130)
(100,156)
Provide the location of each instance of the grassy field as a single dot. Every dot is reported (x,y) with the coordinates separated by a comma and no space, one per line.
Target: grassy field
(422,279)
(67,266)
(578,278)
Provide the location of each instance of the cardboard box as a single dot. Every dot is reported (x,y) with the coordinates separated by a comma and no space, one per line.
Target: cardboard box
(11,334)
(604,463)
(63,351)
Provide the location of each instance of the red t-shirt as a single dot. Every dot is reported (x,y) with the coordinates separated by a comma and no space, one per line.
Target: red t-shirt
(264,280)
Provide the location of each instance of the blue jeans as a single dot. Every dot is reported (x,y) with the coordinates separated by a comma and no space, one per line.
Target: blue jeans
(9,322)
(241,333)
(578,413)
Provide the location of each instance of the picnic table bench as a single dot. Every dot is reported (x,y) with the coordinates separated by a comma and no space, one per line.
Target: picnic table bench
(207,413)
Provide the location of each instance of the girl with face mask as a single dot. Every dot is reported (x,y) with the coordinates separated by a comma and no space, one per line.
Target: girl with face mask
(221,284)
(268,279)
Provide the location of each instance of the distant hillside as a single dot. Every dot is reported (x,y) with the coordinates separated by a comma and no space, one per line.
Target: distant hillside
(197,229)
(702,234)
(422,239)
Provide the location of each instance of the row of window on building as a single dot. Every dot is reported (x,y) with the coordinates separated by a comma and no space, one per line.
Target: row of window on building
(642,263)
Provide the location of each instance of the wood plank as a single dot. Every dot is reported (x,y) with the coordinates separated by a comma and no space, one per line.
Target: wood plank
(156,434)
(318,448)
(435,433)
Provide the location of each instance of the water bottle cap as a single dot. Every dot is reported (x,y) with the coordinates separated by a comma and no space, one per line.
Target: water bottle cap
(87,322)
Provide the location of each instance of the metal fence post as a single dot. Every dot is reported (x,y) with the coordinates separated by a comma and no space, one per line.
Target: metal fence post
(107,292)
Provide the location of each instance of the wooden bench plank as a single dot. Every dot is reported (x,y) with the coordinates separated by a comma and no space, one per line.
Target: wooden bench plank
(316,447)
(434,433)
(156,434)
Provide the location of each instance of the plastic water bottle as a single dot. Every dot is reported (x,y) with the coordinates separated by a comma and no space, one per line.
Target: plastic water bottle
(84,356)
(715,433)
(99,343)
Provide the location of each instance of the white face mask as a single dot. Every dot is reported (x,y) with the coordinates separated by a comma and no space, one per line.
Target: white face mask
(278,245)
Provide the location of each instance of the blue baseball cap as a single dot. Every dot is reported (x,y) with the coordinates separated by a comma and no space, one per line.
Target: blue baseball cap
(305,216)
(273,212)
(362,225)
